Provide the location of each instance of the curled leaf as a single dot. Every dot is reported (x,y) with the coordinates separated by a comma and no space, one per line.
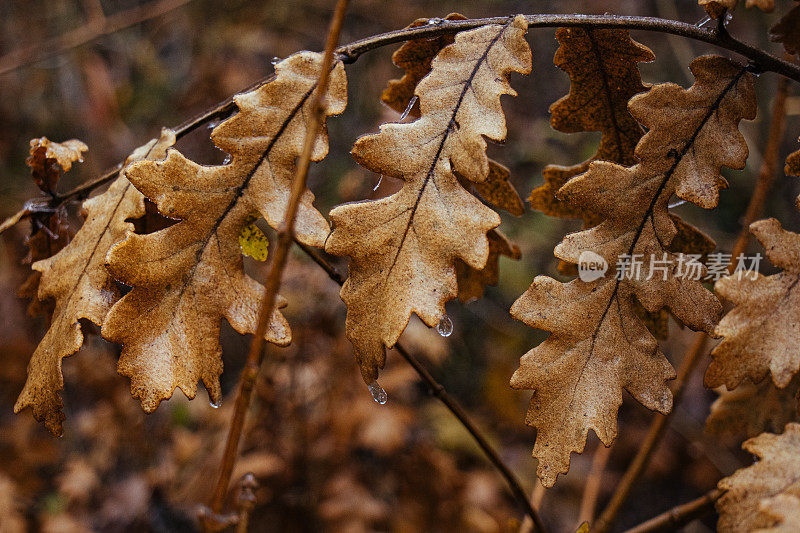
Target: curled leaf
(76,277)
(49,159)
(403,247)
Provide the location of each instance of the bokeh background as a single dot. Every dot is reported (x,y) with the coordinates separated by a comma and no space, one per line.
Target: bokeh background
(326,456)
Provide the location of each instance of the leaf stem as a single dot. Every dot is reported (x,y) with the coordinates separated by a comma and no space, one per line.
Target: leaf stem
(766,177)
(277,264)
(437,390)
(678,516)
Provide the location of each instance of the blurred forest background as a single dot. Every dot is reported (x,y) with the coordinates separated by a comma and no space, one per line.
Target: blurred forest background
(326,456)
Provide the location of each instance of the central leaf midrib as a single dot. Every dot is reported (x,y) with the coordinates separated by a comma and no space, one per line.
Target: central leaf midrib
(450,127)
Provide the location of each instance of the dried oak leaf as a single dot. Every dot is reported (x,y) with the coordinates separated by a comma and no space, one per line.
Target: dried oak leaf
(403,247)
(598,346)
(777,472)
(787,31)
(76,277)
(603,71)
(416,57)
(762,332)
(793,168)
(783,510)
(715,8)
(751,409)
(49,159)
(50,231)
(189,276)
(471,281)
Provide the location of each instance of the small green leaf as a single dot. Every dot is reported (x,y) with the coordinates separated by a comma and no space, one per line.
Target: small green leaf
(253,241)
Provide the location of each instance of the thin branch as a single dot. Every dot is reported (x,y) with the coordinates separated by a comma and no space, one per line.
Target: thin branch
(770,165)
(760,60)
(594,484)
(680,515)
(437,390)
(654,434)
(94,28)
(766,177)
(277,264)
(718,36)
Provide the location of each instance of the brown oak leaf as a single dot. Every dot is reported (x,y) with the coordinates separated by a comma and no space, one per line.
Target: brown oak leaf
(403,247)
(189,276)
(751,409)
(598,346)
(49,159)
(777,472)
(762,332)
(715,8)
(603,71)
(471,281)
(416,57)
(76,277)
(787,31)
(793,168)
(783,510)
(50,231)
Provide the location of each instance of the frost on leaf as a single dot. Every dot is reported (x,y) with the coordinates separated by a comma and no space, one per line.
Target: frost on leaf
(403,247)
(745,506)
(598,346)
(77,279)
(751,409)
(189,276)
(762,332)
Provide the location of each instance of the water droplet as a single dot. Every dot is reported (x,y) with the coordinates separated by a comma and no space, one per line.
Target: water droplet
(226,160)
(676,203)
(375,188)
(702,22)
(408,107)
(275,60)
(435,20)
(215,405)
(445,326)
(728,17)
(378,394)
(213,124)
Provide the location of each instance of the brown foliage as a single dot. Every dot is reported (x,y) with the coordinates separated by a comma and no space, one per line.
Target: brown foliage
(598,346)
(403,247)
(77,279)
(186,277)
(762,332)
(776,473)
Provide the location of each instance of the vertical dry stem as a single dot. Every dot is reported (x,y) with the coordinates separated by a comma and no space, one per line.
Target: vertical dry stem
(276,266)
